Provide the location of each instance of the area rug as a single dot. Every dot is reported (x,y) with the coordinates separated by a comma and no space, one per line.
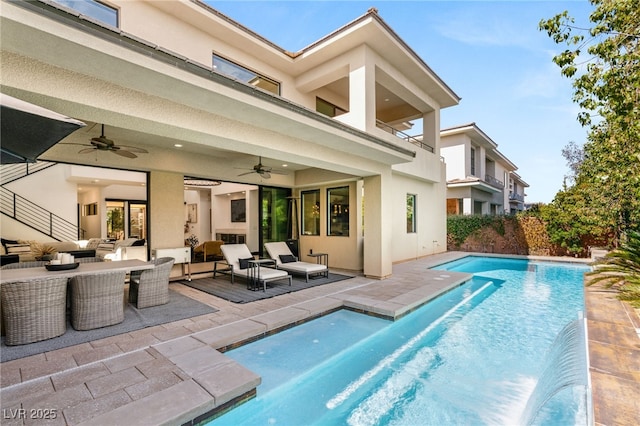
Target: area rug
(178,308)
(238,292)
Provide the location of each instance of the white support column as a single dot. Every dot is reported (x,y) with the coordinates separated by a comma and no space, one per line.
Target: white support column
(377,223)
(362,91)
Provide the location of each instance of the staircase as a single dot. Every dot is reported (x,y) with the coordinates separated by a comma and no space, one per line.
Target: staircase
(29,213)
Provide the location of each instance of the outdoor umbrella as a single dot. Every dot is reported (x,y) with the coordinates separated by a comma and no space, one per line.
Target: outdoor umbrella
(29,130)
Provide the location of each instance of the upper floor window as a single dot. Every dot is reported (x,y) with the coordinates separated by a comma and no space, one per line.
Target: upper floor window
(473,161)
(94,9)
(327,108)
(226,67)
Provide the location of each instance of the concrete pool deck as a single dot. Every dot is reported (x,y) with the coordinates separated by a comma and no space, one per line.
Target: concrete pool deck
(175,373)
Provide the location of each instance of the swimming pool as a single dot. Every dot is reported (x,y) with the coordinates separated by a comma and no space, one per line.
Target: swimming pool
(472,356)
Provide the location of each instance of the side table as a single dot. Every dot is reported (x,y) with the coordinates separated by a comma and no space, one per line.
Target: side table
(253,282)
(322,259)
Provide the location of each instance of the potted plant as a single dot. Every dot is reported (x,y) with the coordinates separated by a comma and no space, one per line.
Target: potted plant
(43,251)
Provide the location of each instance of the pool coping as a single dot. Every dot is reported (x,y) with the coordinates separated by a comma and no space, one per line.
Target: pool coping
(177,373)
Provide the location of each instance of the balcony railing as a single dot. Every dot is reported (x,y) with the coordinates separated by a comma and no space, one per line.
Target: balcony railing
(411,139)
(516,197)
(493,181)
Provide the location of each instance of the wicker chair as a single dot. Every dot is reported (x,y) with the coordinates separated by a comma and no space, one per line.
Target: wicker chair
(29,264)
(34,310)
(97,300)
(151,286)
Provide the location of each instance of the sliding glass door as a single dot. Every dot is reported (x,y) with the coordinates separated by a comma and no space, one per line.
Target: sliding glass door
(274,220)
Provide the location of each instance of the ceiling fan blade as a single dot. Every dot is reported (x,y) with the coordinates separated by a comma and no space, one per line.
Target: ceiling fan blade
(265,174)
(123,153)
(246,173)
(100,142)
(74,143)
(85,150)
(134,149)
(278,172)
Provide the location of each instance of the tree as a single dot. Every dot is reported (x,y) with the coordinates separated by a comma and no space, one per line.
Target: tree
(574,155)
(607,88)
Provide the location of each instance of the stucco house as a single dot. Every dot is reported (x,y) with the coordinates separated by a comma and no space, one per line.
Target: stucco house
(209,99)
(480,179)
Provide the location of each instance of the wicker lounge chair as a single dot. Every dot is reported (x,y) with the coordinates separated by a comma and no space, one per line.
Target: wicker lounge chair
(151,286)
(286,261)
(237,256)
(34,310)
(97,300)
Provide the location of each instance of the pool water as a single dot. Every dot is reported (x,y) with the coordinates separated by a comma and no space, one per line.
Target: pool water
(472,356)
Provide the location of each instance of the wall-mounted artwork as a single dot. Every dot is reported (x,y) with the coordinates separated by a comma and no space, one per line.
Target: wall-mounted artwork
(192,213)
(238,210)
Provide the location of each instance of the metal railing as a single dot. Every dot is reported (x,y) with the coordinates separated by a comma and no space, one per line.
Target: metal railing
(493,181)
(12,172)
(400,134)
(516,197)
(37,217)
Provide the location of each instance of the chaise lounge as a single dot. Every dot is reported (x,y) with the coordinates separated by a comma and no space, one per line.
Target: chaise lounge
(238,257)
(285,260)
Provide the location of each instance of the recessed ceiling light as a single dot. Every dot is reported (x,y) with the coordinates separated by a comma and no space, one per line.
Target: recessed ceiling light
(285,165)
(177,145)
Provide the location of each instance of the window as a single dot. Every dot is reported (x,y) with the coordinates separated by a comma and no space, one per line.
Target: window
(338,214)
(226,67)
(411,213)
(327,108)
(90,209)
(473,161)
(311,212)
(94,9)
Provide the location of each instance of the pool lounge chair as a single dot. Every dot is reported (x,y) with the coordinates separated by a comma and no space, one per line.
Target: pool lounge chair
(237,257)
(285,260)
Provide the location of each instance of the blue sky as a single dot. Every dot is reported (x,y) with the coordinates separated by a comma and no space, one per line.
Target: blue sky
(490,53)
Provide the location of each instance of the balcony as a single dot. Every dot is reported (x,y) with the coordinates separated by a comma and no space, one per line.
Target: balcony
(516,197)
(415,140)
(493,181)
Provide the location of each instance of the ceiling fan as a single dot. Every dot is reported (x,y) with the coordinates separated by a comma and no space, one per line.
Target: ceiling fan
(102,143)
(263,171)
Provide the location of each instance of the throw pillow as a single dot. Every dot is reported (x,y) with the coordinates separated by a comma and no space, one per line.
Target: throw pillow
(287,258)
(244,263)
(137,243)
(18,248)
(106,246)
(93,243)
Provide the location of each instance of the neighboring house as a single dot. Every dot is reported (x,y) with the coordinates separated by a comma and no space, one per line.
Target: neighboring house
(516,193)
(211,99)
(480,179)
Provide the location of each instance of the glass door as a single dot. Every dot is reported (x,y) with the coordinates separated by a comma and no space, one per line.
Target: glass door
(138,220)
(115,220)
(274,204)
